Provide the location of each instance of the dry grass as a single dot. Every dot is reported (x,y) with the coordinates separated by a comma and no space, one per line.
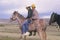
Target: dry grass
(8,38)
(11,32)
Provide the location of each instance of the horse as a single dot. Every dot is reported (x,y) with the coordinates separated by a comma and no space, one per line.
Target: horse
(55,18)
(40,30)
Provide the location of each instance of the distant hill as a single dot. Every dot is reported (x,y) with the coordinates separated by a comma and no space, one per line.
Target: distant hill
(7,21)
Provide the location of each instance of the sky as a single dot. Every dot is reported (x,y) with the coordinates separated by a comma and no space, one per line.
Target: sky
(44,7)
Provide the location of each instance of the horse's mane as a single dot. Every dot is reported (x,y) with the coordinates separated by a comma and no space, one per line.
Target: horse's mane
(55,13)
(19,15)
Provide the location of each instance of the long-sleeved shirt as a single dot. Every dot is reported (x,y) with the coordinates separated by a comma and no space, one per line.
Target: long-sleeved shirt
(30,13)
(35,14)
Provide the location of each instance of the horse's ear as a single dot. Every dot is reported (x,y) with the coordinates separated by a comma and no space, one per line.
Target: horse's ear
(53,12)
(15,12)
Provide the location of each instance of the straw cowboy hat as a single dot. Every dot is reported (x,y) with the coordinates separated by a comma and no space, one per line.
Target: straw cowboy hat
(33,6)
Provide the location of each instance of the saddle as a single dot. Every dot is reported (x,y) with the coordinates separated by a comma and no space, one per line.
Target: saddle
(34,19)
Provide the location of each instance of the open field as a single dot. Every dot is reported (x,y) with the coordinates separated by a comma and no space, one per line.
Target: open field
(12,32)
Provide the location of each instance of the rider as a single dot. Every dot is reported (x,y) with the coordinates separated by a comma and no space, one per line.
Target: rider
(35,13)
(32,14)
(29,17)
(35,17)
(27,21)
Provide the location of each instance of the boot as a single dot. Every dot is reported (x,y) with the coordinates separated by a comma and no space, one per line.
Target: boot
(30,33)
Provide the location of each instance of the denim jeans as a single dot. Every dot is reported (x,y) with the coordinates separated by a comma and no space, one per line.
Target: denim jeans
(25,26)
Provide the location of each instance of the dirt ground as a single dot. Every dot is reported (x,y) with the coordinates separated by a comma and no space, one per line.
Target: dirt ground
(12,32)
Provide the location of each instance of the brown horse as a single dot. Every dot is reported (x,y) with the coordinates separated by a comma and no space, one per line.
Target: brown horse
(40,30)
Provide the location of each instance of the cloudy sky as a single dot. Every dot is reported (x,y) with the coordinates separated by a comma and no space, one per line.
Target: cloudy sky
(44,7)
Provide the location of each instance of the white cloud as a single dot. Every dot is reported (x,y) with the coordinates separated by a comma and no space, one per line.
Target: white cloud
(10,2)
(48,5)
(42,6)
(22,11)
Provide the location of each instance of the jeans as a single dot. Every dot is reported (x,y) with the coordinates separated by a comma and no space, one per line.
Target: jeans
(25,26)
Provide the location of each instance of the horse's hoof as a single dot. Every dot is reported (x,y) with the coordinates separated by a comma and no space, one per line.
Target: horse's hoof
(30,34)
(34,34)
(21,38)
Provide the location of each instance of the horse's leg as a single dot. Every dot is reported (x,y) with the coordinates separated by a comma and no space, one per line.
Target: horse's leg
(58,28)
(21,36)
(40,30)
(22,31)
(25,37)
(42,34)
(34,32)
(31,29)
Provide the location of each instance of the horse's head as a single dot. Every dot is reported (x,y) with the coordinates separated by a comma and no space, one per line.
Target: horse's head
(52,18)
(14,16)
